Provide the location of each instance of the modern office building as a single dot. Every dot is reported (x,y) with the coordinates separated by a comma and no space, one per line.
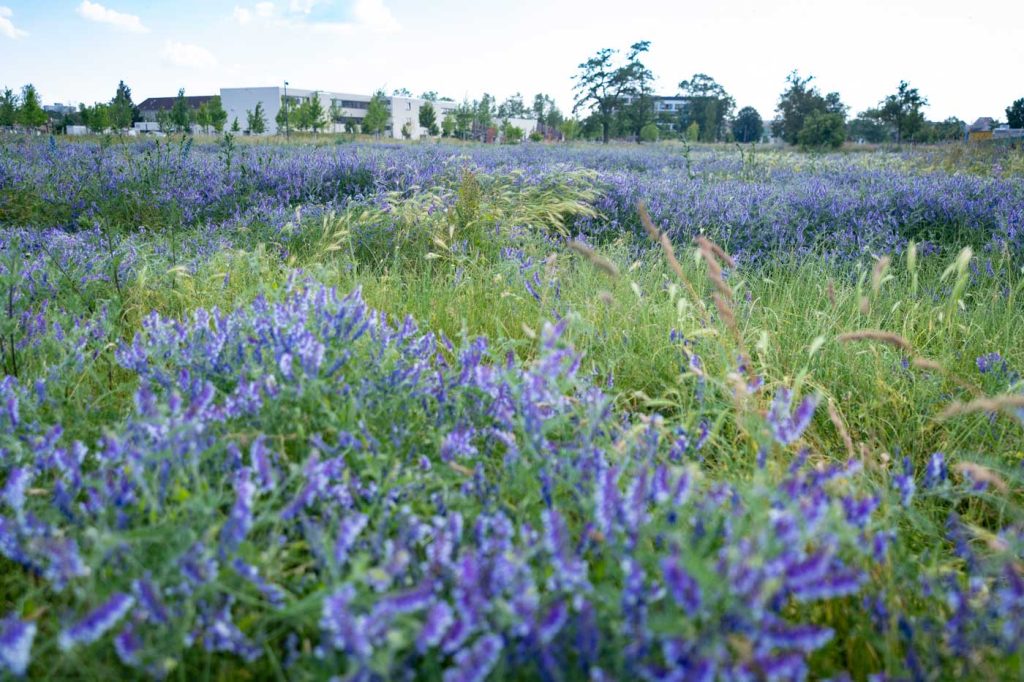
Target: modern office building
(344,110)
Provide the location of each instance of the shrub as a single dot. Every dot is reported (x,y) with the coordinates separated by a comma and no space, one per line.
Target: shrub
(822,130)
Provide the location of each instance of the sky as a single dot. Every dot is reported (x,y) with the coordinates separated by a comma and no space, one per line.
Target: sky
(966,58)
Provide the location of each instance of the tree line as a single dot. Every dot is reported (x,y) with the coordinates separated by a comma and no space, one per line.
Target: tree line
(613,94)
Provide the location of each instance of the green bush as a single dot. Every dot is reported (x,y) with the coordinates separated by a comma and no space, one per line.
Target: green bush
(822,130)
(649,133)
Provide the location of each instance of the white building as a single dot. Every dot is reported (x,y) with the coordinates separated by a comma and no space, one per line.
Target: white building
(344,109)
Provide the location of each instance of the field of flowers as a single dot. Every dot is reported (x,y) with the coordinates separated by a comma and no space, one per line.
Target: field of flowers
(465,413)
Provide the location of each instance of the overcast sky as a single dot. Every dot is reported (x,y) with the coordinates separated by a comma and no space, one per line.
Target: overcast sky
(966,58)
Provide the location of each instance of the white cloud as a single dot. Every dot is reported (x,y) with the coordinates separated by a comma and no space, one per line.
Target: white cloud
(264,9)
(191,56)
(242,15)
(302,6)
(374,15)
(7,27)
(93,11)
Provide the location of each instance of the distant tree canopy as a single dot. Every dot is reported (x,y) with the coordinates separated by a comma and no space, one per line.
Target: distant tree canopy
(604,86)
(123,111)
(256,120)
(798,101)
(8,108)
(1015,114)
(377,114)
(30,112)
(748,126)
(902,110)
(709,106)
(428,118)
(822,129)
(180,116)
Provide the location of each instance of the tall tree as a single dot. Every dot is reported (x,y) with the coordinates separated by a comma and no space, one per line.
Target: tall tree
(512,107)
(376,119)
(218,117)
(748,126)
(640,83)
(203,117)
(483,113)
(709,106)
(428,118)
(902,110)
(30,112)
(448,125)
(798,101)
(256,120)
(315,113)
(601,87)
(180,116)
(1015,114)
(464,115)
(401,92)
(8,108)
(123,111)
(430,96)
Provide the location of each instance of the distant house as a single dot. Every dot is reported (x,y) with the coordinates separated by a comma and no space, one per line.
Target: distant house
(980,129)
(1005,132)
(149,108)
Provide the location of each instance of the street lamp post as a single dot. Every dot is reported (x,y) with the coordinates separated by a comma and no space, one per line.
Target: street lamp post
(287,127)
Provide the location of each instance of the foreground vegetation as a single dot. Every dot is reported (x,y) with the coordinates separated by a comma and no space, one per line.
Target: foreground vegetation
(410,412)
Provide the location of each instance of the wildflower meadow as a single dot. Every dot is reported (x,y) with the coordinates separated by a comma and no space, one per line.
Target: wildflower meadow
(547,411)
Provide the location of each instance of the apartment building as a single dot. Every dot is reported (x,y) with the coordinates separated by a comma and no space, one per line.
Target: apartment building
(344,109)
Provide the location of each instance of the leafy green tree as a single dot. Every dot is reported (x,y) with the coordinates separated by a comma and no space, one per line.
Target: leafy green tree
(286,116)
(601,87)
(123,111)
(163,119)
(8,108)
(203,117)
(513,107)
(401,92)
(98,117)
(235,128)
(315,113)
(649,133)
(448,125)
(218,117)
(869,127)
(799,100)
(180,116)
(428,118)
(30,112)
(1015,114)
(692,132)
(902,110)
(640,83)
(464,115)
(822,129)
(377,115)
(483,113)
(709,106)
(570,129)
(748,126)
(430,96)
(256,120)
(511,134)
(407,130)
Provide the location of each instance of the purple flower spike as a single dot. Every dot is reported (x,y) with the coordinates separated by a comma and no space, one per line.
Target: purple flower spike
(475,663)
(787,427)
(96,623)
(16,637)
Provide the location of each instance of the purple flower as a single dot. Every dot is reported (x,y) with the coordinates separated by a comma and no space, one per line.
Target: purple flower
(240,521)
(787,427)
(435,626)
(936,472)
(986,363)
(348,531)
(345,630)
(127,646)
(475,664)
(683,588)
(18,480)
(458,444)
(904,483)
(96,623)
(16,638)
